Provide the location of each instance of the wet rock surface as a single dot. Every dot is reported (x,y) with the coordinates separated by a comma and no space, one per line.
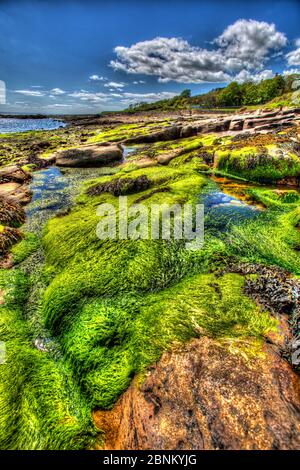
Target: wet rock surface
(205,396)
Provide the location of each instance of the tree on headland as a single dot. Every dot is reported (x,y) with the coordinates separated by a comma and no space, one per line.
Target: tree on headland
(233,95)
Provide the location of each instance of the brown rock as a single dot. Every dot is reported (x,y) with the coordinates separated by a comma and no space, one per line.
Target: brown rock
(16,192)
(14,174)
(169,133)
(236,125)
(89,156)
(207,397)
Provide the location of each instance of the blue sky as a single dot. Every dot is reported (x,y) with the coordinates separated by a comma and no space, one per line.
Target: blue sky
(90,56)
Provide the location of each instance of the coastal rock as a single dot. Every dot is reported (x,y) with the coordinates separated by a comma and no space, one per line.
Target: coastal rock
(207,396)
(89,156)
(214,126)
(188,131)
(236,125)
(169,133)
(16,192)
(121,186)
(14,174)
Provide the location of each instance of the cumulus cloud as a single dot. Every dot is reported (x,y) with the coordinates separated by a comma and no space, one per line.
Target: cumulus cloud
(30,93)
(244,45)
(293,57)
(291,72)
(97,78)
(246,76)
(57,91)
(170,59)
(115,85)
(247,43)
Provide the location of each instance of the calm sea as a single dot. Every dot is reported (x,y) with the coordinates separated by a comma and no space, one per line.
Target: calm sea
(22,125)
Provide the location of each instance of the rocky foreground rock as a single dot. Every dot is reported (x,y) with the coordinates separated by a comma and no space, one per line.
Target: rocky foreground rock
(89,155)
(208,396)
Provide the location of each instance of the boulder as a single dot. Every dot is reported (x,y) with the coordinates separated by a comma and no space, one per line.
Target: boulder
(16,192)
(14,174)
(169,133)
(208,396)
(89,156)
(236,125)
(214,126)
(188,131)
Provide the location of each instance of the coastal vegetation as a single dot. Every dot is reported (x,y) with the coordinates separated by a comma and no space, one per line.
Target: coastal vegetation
(82,317)
(234,95)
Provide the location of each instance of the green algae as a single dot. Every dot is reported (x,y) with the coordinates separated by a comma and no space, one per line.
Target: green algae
(116,305)
(256,165)
(41,407)
(112,307)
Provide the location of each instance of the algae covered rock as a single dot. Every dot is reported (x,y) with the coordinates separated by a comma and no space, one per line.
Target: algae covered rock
(121,186)
(89,156)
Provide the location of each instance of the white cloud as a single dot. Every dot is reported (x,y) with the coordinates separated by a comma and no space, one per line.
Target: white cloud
(57,91)
(123,97)
(249,42)
(170,59)
(88,96)
(246,44)
(30,92)
(129,98)
(290,72)
(138,82)
(149,96)
(293,57)
(97,78)
(58,105)
(115,85)
(246,76)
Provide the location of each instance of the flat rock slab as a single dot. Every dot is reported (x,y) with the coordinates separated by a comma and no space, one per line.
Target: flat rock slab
(89,156)
(208,397)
